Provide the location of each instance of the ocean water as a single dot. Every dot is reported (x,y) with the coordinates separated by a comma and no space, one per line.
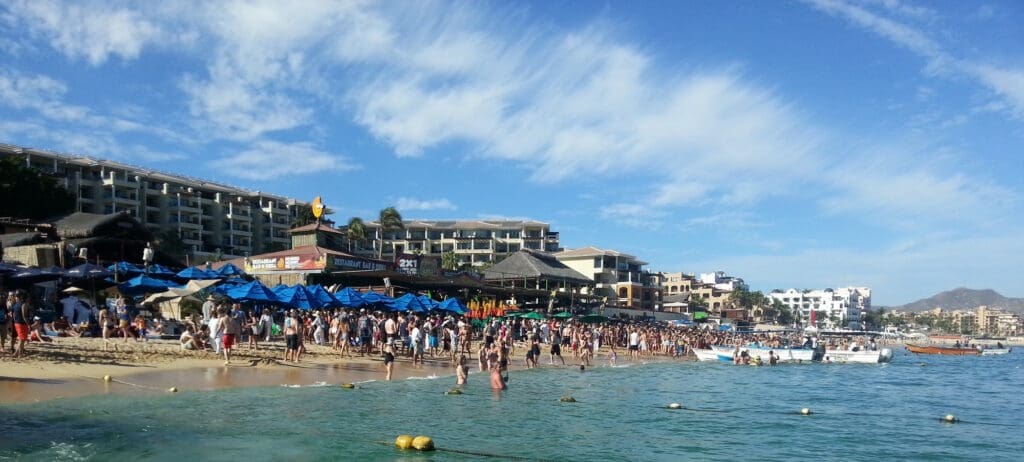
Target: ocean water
(859,412)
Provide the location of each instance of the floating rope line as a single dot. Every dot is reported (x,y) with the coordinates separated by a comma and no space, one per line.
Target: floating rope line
(474,453)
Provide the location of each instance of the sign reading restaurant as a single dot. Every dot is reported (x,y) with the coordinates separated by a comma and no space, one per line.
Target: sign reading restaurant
(358,264)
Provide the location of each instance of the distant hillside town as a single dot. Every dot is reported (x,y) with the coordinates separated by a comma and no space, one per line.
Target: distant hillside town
(115,209)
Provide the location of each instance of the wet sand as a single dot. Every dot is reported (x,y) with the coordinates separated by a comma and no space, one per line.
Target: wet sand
(76,367)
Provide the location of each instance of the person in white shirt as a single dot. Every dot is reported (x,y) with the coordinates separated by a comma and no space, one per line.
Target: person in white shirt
(416,338)
(214,323)
(208,309)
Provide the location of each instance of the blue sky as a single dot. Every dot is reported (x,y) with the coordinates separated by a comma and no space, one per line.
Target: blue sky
(820,143)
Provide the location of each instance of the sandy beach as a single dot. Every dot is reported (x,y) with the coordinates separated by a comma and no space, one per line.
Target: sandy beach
(71,367)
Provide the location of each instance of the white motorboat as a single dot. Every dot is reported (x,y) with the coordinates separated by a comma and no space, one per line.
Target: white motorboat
(784,354)
(882,355)
(995,351)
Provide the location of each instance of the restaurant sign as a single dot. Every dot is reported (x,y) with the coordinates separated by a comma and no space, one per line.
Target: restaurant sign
(289,262)
(358,264)
(407,264)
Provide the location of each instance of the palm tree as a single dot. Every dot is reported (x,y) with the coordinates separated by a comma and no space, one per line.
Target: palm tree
(449,261)
(356,231)
(390,221)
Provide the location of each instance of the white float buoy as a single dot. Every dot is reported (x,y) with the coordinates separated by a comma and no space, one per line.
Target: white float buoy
(805,411)
(675,406)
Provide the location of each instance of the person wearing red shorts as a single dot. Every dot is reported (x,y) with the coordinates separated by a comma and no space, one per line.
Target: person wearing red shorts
(230,330)
(20,312)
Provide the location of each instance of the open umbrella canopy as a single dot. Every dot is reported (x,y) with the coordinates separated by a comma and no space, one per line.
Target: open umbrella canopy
(195,272)
(532,315)
(29,276)
(322,296)
(144,284)
(230,270)
(562,315)
(123,267)
(278,288)
(349,297)
(594,319)
(428,302)
(6,267)
(252,292)
(374,297)
(408,302)
(161,271)
(88,271)
(298,296)
(227,285)
(454,305)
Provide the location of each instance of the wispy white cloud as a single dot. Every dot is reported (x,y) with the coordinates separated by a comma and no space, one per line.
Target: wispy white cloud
(410,203)
(634,215)
(266,159)
(92,30)
(1005,82)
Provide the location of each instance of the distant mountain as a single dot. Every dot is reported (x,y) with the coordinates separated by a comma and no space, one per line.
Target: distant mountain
(964,299)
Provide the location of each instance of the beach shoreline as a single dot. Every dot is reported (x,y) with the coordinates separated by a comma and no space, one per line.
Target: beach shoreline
(75,367)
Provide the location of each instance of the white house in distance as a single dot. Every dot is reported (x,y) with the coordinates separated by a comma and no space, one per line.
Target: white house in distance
(835,307)
(721,281)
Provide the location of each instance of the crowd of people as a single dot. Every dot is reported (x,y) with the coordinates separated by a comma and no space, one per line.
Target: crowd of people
(223,325)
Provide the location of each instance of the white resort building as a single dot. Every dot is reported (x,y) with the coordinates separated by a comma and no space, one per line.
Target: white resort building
(833,307)
(210,218)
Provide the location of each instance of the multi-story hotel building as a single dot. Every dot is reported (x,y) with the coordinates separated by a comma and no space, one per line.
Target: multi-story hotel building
(838,307)
(209,217)
(616,275)
(474,242)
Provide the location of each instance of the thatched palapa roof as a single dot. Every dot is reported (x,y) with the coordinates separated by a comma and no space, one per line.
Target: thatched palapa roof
(533,265)
(16,239)
(85,225)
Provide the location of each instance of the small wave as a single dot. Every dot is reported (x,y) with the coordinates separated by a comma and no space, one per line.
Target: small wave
(429,377)
(313,385)
(365,381)
(66,451)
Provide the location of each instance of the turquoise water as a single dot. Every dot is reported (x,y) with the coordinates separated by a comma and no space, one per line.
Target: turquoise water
(860,412)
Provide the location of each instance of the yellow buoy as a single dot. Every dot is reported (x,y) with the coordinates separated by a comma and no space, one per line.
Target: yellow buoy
(403,441)
(567,399)
(805,411)
(106,378)
(423,443)
(950,418)
(675,406)
(172,390)
(347,385)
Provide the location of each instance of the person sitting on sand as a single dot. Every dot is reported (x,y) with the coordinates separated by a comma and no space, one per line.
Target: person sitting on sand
(64,328)
(188,341)
(36,331)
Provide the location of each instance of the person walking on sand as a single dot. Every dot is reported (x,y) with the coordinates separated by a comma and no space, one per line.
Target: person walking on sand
(291,337)
(21,313)
(5,323)
(230,332)
(556,347)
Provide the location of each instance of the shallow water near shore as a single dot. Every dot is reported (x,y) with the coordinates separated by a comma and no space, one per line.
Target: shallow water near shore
(859,412)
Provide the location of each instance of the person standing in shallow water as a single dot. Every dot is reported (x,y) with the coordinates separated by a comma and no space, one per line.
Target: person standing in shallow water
(389,360)
(461,371)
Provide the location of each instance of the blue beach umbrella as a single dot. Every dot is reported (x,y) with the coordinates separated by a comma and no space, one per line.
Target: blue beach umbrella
(195,272)
(428,302)
(252,292)
(161,271)
(300,297)
(278,288)
(454,305)
(372,297)
(144,284)
(230,270)
(123,267)
(324,297)
(88,271)
(408,302)
(349,297)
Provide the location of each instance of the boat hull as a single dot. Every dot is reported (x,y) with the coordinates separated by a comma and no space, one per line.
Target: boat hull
(785,354)
(939,350)
(709,355)
(995,351)
(883,355)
